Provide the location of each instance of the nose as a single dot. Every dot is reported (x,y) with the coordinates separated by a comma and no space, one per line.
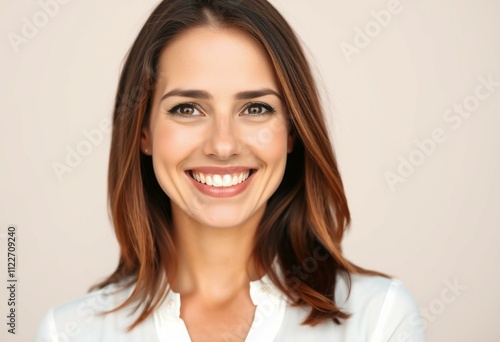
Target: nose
(222,140)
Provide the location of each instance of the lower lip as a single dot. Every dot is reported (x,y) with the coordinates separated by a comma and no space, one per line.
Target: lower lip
(223,191)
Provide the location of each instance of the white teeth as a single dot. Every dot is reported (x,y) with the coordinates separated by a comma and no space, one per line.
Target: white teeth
(227,180)
(209,180)
(217,180)
(220,180)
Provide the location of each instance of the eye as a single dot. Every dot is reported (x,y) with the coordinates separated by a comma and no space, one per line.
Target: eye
(185,110)
(258,109)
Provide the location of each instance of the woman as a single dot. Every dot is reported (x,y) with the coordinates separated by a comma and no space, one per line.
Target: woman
(226,196)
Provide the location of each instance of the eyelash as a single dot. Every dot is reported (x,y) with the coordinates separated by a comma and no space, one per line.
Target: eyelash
(270,109)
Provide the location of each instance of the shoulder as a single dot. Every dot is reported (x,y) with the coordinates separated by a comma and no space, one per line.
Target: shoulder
(383,305)
(366,288)
(81,320)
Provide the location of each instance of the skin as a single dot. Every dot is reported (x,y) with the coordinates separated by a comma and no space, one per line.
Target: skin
(214,236)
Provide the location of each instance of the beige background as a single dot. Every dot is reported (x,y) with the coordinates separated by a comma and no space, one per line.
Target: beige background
(439,226)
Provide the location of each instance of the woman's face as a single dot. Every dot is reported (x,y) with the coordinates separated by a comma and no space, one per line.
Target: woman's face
(216,114)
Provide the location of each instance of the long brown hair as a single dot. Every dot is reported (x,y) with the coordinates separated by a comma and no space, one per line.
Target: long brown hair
(305,219)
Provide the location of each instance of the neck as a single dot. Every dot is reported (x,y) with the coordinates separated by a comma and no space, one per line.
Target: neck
(213,262)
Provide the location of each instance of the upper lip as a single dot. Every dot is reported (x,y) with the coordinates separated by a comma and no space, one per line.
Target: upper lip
(221,170)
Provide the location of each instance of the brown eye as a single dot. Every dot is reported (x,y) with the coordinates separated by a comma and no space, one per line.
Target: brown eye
(258,109)
(255,109)
(184,109)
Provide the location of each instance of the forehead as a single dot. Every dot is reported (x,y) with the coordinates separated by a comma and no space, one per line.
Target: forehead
(215,58)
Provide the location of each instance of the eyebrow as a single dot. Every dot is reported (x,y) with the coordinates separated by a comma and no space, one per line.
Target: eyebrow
(201,94)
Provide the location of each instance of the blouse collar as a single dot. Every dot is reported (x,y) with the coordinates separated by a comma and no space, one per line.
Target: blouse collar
(270,305)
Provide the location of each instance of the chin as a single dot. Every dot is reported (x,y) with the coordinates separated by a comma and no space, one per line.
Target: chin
(221,223)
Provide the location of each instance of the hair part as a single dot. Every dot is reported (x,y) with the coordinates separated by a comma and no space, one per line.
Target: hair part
(306,217)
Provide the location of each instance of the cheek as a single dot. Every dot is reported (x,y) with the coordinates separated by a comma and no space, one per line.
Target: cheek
(270,139)
(173,142)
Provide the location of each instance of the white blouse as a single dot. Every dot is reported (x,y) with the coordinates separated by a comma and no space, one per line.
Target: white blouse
(382,310)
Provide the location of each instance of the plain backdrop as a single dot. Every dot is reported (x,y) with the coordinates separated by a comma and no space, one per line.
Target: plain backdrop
(399,84)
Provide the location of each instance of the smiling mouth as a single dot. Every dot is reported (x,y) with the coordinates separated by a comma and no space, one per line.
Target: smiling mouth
(221,180)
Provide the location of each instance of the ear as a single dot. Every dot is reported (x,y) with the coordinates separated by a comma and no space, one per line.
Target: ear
(146,145)
(291,139)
